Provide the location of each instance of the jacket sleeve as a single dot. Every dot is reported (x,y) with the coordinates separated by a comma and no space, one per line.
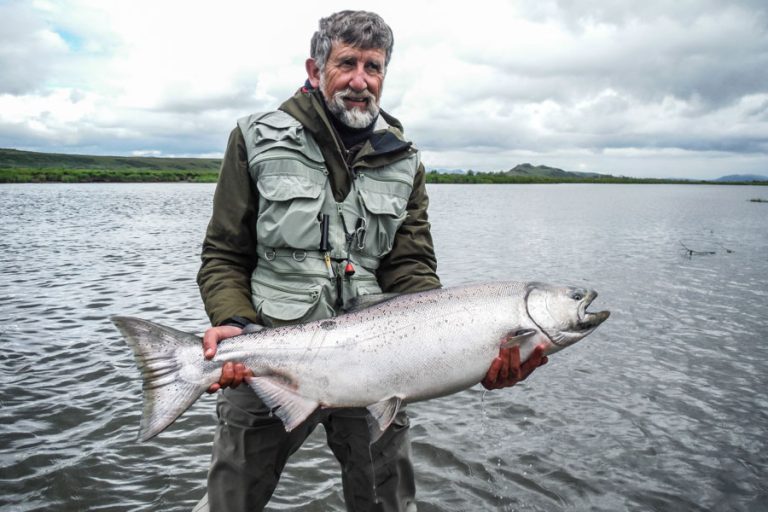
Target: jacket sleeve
(411,266)
(229,249)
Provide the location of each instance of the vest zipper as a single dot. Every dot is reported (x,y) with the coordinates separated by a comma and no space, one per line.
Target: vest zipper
(375,177)
(290,156)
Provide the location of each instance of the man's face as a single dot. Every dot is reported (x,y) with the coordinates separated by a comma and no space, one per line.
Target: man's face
(351,83)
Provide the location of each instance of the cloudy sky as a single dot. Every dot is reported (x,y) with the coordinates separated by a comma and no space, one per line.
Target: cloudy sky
(656,88)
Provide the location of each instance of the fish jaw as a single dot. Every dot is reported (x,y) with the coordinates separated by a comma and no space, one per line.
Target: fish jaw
(561,313)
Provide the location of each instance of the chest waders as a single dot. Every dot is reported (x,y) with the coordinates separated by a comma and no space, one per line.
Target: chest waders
(294,280)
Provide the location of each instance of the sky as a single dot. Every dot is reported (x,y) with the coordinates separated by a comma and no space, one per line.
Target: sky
(657,88)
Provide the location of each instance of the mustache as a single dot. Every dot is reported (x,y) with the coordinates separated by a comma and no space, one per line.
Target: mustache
(365,94)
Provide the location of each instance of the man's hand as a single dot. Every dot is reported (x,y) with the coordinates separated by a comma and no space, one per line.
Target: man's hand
(506,370)
(232,374)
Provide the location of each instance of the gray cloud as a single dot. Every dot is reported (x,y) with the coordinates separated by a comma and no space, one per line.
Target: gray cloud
(717,56)
(28,50)
(569,82)
(682,76)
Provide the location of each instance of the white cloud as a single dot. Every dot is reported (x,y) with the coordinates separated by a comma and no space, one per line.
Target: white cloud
(681,86)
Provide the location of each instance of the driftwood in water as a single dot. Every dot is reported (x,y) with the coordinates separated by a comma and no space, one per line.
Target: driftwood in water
(691,252)
(729,251)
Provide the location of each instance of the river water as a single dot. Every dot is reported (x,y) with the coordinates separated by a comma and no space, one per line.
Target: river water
(664,407)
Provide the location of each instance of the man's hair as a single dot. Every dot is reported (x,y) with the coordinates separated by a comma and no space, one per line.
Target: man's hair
(361,29)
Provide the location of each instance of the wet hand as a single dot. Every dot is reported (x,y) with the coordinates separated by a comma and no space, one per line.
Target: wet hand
(232,374)
(506,370)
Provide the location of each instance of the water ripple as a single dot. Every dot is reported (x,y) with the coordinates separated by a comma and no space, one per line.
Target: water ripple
(661,409)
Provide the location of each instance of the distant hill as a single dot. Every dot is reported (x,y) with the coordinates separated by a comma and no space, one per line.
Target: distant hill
(528,170)
(13,158)
(549,172)
(742,177)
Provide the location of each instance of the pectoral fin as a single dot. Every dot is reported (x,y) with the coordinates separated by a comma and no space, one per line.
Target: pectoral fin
(288,405)
(517,338)
(382,415)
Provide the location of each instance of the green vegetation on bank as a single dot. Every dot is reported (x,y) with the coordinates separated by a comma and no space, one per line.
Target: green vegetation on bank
(31,167)
(32,175)
(26,166)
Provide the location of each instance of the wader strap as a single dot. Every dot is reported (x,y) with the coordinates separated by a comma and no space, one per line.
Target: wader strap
(270,253)
(299,255)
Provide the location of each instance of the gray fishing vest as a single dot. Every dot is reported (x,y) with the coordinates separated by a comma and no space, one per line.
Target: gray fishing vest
(291,282)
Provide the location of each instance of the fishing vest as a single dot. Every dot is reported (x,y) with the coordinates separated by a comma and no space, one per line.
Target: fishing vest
(294,280)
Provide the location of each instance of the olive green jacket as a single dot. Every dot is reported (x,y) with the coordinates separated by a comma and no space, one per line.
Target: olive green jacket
(229,250)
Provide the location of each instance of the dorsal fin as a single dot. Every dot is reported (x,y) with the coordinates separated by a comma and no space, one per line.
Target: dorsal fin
(288,405)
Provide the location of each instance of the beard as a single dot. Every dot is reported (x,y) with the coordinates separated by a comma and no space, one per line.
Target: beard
(354,117)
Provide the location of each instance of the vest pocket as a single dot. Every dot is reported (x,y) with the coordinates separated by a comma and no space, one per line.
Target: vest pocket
(278,130)
(292,194)
(362,283)
(278,304)
(385,213)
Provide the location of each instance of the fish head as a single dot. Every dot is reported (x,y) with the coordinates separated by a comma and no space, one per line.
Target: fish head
(561,312)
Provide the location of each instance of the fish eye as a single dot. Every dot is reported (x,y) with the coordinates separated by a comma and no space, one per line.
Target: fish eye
(577,296)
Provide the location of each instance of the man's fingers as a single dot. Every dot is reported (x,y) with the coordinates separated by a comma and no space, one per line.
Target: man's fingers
(238,375)
(536,359)
(516,373)
(505,356)
(214,335)
(227,374)
(493,372)
(232,375)
(210,342)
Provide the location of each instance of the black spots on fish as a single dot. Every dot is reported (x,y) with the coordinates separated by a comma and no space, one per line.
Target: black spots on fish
(328,325)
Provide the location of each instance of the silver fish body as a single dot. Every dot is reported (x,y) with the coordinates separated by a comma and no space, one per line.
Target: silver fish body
(408,348)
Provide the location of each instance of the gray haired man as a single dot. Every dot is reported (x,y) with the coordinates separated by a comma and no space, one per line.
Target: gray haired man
(318,202)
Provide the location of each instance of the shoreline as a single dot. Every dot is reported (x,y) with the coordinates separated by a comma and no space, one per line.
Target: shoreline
(8,176)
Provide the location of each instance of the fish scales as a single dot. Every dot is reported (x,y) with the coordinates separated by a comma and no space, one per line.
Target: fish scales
(408,348)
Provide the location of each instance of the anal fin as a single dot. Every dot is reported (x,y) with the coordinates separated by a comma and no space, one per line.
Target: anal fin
(288,405)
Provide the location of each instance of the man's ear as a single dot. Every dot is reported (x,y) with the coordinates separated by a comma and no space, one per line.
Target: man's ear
(313,72)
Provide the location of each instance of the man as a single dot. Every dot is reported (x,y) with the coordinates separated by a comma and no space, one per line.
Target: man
(318,202)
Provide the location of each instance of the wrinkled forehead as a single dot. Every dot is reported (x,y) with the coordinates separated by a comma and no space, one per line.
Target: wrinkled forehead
(341,50)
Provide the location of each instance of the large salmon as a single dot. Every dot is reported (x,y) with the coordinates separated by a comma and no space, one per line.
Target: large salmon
(404,349)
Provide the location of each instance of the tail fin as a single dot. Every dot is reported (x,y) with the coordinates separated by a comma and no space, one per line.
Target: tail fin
(167,393)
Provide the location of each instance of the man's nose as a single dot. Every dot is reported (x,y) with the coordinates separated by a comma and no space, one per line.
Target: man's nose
(358,82)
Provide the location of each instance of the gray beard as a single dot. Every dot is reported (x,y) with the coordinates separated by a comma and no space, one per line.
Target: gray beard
(353,118)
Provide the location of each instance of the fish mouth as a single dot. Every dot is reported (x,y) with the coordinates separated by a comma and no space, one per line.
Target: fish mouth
(586,322)
(587,319)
